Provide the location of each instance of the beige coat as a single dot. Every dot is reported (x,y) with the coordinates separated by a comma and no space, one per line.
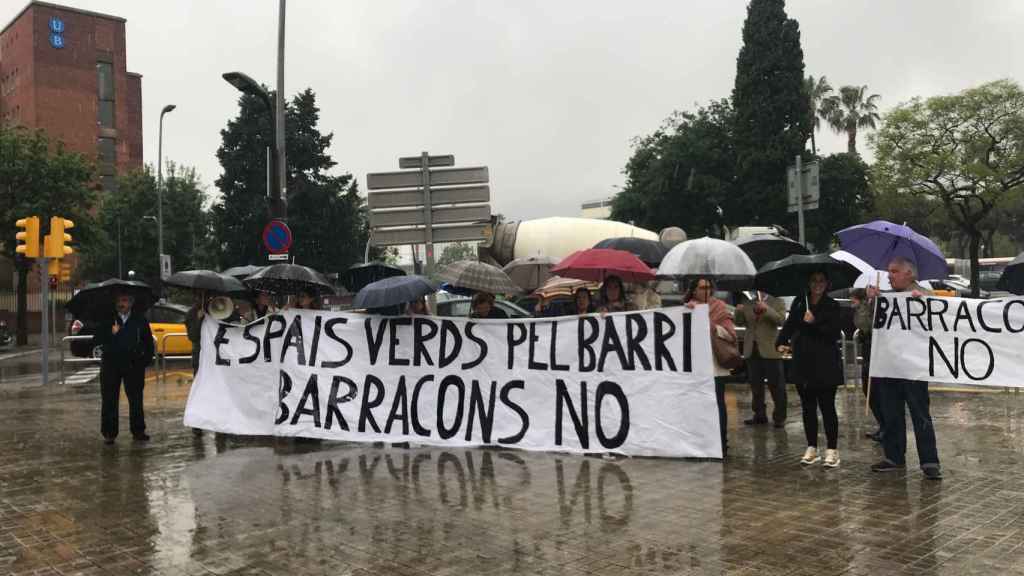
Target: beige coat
(762,330)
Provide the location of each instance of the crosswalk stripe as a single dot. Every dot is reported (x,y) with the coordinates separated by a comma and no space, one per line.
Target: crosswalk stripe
(83,376)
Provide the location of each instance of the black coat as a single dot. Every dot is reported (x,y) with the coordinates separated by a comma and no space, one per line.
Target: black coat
(816,353)
(131,347)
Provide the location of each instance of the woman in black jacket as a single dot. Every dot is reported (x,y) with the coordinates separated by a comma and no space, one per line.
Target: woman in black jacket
(812,332)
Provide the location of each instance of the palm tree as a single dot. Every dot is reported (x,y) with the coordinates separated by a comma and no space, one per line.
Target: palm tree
(818,90)
(850,111)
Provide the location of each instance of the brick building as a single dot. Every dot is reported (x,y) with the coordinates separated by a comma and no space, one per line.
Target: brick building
(63,70)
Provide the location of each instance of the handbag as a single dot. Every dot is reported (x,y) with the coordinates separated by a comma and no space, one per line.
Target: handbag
(726,352)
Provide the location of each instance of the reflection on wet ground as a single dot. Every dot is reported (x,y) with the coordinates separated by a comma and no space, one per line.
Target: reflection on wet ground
(227,505)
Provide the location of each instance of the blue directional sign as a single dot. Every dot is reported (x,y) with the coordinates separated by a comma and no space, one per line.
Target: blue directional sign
(277,237)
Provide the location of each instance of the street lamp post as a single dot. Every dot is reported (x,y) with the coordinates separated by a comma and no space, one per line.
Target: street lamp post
(246,85)
(160,192)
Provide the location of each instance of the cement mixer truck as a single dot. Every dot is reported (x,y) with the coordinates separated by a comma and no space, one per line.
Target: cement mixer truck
(559,236)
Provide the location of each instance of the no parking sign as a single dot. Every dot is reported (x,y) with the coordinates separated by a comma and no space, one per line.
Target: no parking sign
(277,239)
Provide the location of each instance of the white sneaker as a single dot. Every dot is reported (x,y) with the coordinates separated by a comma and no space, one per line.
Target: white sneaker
(831,458)
(810,456)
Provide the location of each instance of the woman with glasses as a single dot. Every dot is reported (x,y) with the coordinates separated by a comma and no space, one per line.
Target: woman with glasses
(811,333)
(702,291)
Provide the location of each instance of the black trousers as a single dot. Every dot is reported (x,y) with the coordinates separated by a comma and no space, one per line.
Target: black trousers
(875,397)
(821,398)
(758,370)
(723,415)
(111,378)
(913,394)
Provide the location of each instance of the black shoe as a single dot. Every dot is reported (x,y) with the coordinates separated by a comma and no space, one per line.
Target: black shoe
(108,440)
(886,466)
(755,421)
(141,437)
(197,431)
(932,473)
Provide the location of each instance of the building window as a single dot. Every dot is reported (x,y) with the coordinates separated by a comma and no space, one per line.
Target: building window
(108,155)
(105,94)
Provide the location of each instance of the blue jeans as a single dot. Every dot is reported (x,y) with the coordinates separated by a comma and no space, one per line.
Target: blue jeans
(896,393)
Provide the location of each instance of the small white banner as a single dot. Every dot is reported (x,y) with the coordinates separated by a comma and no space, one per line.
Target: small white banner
(949,340)
(636,383)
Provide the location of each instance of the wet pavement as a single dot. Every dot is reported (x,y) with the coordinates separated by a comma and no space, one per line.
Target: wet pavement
(184,505)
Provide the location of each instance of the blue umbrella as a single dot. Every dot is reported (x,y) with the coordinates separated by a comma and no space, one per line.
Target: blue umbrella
(878,242)
(393,291)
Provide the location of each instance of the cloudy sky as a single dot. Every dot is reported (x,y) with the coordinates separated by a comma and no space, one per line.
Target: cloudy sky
(547,93)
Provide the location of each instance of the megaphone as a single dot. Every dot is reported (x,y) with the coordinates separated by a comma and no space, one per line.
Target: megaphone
(220,307)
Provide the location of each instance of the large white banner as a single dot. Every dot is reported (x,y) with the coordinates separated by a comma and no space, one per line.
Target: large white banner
(950,340)
(636,383)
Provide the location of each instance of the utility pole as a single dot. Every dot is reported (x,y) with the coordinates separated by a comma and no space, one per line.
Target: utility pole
(800,200)
(281,209)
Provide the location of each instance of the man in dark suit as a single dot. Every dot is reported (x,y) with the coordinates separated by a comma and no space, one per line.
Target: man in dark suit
(127,349)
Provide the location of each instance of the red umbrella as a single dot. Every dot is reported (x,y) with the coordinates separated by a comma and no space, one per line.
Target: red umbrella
(596,264)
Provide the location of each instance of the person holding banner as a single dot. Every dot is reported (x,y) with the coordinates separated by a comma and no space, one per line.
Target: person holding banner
(702,291)
(613,296)
(812,333)
(762,318)
(261,306)
(896,393)
(482,306)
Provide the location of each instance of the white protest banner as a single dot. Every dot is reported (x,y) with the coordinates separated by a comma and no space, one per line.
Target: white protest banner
(950,340)
(638,383)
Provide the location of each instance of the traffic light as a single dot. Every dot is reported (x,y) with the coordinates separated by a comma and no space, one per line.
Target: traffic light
(56,245)
(28,238)
(53,268)
(65,271)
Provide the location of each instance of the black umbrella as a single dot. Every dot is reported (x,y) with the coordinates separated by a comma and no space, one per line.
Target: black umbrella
(788,277)
(96,301)
(393,291)
(765,248)
(358,276)
(1012,279)
(242,272)
(289,279)
(206,280)
(651,252)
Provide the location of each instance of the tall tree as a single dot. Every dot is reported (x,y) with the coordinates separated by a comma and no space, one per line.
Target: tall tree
(965,151)
(128,229)
(41,178)
(818,90)
(324,210)
(682,174)
(772,110)
(851,110)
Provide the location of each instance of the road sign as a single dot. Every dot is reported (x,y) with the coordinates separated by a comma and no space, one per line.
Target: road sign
(277,237)
(165,266)
(416,217)
(395,236)
(811,187)
(277,257)
(414,179)
(415,197)
(432,161)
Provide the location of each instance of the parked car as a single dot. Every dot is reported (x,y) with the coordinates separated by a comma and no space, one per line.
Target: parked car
(459,306)
(164,318)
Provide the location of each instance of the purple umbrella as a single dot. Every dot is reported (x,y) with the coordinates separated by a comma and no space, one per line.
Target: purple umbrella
(878,242)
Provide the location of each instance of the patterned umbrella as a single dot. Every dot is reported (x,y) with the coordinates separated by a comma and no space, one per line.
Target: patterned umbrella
(289,279)
(393,291)
(557,286)
(530,273)
(596,264)
(242,272)
(206,280)
(722,261)
(478,276)
(96,301)
(650,252)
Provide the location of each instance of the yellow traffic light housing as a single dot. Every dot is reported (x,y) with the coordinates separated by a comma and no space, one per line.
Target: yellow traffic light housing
(53,267)
(56,245)
(28,237)
(65,272)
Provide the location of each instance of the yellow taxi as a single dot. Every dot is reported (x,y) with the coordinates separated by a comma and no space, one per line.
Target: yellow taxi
(166,319)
